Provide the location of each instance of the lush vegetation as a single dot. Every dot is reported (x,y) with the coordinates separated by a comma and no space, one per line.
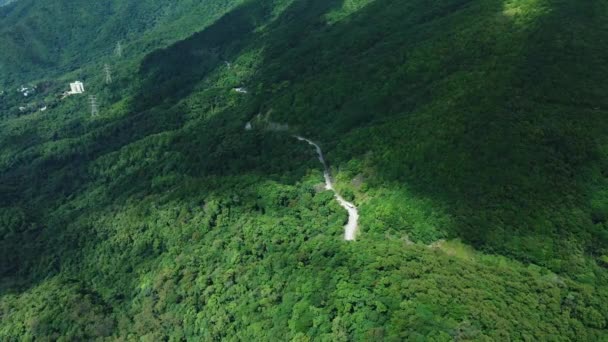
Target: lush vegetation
(470,133)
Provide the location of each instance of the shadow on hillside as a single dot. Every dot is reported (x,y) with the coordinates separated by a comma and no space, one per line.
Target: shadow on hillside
(475,124)
(484,128)
(172,74)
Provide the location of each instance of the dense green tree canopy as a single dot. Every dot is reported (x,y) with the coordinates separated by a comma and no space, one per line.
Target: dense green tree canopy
(471,134)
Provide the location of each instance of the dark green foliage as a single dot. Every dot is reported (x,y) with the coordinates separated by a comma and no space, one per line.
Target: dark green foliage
(470,133)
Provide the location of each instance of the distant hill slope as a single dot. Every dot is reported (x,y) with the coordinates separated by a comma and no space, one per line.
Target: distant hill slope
(43,36)
(471,134)
(6,2)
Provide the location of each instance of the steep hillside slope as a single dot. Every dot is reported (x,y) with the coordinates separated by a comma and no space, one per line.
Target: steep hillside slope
(470,133)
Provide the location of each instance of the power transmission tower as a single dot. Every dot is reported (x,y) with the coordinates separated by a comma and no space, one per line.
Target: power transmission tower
(108,72)
(118,50)
(94,107)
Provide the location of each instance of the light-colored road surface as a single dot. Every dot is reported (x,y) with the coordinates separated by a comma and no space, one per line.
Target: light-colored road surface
(350,230)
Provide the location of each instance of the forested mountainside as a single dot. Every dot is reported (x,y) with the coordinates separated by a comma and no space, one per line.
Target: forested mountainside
(470,134)
(45,37)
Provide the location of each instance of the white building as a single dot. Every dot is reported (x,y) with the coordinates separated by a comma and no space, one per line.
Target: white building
(76,88)
(26,91)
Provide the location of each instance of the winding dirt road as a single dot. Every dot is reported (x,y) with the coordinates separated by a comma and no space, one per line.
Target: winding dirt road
(350,230)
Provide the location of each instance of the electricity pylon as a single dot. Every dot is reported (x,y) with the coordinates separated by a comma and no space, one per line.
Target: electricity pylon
(94,107)
(118,50)
(108,72)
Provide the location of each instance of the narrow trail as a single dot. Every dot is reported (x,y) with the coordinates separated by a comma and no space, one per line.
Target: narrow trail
(350,230)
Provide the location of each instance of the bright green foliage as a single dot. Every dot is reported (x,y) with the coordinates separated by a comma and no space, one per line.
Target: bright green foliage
(470,134)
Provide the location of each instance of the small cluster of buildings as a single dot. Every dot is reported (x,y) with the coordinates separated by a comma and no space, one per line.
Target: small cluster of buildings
(33,108)
(26,91)
(76,87)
